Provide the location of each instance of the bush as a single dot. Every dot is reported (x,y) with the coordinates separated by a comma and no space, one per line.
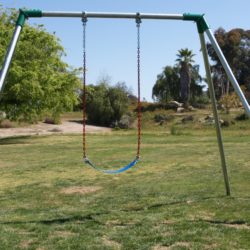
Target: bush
(163,118)
(52,120)
(241,117)
(125,122)
(230,101)
(6,124)
(105,104)
(188,118)
(154,106)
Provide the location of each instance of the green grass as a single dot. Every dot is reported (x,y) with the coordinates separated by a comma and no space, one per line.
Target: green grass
(173,199)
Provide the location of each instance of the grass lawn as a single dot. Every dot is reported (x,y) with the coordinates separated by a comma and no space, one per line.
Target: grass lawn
(173,199)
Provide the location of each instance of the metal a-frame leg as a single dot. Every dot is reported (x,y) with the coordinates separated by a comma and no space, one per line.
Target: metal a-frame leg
(215,112)
(9,55)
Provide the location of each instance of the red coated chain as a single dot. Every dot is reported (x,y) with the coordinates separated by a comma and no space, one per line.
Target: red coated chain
(138,22)
(84,22)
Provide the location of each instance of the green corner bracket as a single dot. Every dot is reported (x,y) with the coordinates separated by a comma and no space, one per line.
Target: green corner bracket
(199,19)
(24,14)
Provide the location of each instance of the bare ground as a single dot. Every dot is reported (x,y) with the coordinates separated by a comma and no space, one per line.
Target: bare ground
(67,127)
(80,189)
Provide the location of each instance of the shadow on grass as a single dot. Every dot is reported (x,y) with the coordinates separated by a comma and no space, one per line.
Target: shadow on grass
(15,140)
(76,218)
(171,203)
(91,217)
(225,222)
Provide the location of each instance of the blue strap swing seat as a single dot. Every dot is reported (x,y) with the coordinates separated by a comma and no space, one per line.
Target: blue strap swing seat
(85,158)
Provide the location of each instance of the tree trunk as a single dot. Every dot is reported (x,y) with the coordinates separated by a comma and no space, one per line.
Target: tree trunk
(185,84)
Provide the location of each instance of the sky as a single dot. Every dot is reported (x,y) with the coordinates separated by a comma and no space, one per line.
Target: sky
(111,43)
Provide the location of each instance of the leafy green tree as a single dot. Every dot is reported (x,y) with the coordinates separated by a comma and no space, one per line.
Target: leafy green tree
(235,45)
(106,104)
(39,83)
(185,60)
(167,86)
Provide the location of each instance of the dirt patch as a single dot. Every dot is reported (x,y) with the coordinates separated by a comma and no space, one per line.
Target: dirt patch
(6,165)
(177,244)
(182,244)
(22,232)
(117,223)
(159,247)
(111,243)
(168,222)
(80,189)
(202,215)
(237,226)
(211,246)
(67,127)
(25,244)
(62,234)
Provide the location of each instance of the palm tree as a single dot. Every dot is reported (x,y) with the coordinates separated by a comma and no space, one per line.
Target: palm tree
(184,59)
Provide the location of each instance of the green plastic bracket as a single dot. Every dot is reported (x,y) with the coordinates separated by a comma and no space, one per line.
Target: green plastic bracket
(21,19)
(24,14)
(199,19)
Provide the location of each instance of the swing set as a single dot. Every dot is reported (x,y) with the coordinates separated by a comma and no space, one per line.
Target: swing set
(202,27)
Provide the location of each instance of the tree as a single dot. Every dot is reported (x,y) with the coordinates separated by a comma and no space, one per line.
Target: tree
(185,60)
(235,45)
(167,86)
(39,83)
(106,104)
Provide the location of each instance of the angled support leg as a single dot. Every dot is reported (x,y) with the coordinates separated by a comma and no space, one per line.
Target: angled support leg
(9,55)
(215,112)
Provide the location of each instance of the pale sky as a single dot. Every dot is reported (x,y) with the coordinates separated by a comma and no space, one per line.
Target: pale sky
(111,44)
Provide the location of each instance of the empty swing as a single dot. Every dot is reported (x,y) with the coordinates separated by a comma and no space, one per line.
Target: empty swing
(85,158)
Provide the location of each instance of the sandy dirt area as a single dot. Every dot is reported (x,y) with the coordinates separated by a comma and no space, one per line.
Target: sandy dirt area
(67,127)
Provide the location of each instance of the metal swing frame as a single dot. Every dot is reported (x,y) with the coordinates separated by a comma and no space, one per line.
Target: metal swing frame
(202,27)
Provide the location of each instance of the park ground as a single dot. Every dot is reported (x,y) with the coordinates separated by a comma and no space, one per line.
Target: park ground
(174,198)
(71,123)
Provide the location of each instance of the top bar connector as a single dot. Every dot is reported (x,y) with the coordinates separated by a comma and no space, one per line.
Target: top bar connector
(24,14)
(199,19)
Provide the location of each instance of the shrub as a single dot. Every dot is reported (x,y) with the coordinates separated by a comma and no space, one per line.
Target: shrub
(125,122)
(241,117)
(230,101)
(6,124)
(163,118)
(105,104)
(52,120)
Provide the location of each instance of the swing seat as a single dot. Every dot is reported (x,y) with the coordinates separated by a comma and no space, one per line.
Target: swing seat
(112,171)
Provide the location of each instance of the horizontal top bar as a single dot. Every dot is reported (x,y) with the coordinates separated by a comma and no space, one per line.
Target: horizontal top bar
(111,15)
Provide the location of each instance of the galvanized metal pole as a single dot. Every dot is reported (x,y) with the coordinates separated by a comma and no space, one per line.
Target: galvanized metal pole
(111,15)
(215,112)
(228,70)
(9,56)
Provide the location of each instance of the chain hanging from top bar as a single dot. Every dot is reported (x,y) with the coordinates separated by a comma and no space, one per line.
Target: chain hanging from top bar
(138,25)
(84,23)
